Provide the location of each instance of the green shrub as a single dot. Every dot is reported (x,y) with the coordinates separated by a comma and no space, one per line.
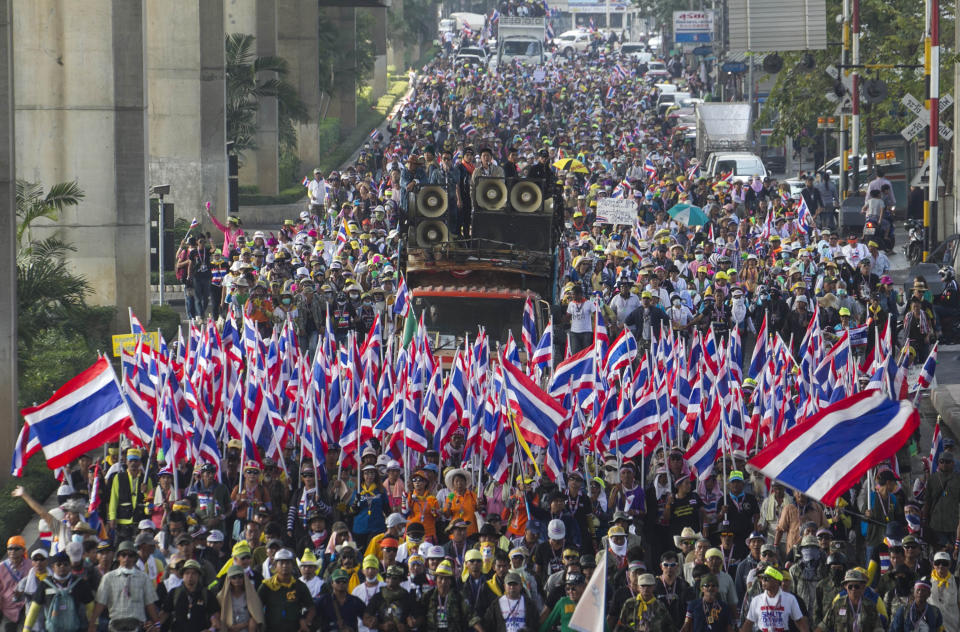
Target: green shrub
(166,319)
(54,357)
(287,196)
(290,167)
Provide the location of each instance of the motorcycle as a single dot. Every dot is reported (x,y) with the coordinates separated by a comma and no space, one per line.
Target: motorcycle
(916,233)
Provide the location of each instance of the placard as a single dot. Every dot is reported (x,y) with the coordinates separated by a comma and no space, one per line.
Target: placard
(617,211)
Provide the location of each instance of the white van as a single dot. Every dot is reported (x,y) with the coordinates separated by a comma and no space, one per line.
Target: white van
(744,165)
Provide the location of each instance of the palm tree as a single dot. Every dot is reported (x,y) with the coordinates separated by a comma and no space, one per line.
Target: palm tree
(49,294)
(32,204)
(245,86)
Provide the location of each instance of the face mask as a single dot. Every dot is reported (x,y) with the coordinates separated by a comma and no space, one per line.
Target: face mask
(837,575)
(699,257)
(809,554)
(619,549)
(841,292)
(286,301)
(354,297)
(128,571)
(60,577)
(380,305)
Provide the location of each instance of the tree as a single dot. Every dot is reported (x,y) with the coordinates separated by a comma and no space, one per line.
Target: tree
(32,204)
(57,332)
(250,78)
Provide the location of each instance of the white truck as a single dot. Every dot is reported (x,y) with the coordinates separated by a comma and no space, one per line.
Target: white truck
(521,39)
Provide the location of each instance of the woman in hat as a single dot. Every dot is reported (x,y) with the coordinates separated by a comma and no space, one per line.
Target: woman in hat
(422,506)
(461,500)
(240,607)
(250,496)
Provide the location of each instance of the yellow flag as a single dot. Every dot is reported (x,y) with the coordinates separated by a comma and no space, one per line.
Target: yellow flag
(523,444)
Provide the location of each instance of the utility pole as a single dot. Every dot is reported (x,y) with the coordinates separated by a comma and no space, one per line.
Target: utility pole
(855,134)
(931,60)
(844,55)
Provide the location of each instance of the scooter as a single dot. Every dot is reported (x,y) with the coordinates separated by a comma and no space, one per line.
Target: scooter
(916,233)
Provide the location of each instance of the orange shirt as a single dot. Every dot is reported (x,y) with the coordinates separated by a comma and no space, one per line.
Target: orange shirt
(518,516)
(424,509)
(463,507)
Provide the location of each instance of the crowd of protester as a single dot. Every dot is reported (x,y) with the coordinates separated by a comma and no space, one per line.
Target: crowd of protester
(298,545)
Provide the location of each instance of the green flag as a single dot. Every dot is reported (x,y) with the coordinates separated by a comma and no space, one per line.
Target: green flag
(409,328)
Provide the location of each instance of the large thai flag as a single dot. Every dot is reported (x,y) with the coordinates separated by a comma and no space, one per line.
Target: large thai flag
(538,413)
(83,414)
(401,305)
(826,454)
(27,445)
(543,354)
(529,329)
(577,372)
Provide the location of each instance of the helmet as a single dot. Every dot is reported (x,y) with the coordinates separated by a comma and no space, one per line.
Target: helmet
(946,273)
(837,559)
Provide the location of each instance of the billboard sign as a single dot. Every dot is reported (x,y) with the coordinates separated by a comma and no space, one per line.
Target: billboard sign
(692,27)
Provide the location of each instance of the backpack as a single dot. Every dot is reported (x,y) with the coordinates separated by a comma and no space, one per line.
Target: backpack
(61,611)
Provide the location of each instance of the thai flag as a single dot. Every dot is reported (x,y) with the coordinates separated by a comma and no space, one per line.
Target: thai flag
(760,351)
(141,431)
(374,135)
(343,233)
(936,448)
(726,177)
(649,168)
(543,354)
(622,353)
(528,331)
(611,91)
(693,172)
(83,414)
(702,453)
(194,223)
(493,441)
(495,16)
(804,217)
(539,414)
(550,32)
(136,327)
(401,305)
(592,26)
(553,464)
(620,70)
(601,341)
(925,379)
(829,452)
(27,445)
(306,181)
(467,128)
(575,372)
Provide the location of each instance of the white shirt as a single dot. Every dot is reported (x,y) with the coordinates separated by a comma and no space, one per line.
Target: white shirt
(317,191)
(513,613)
(581,316)
(773,614)
(624,306)
(314,585)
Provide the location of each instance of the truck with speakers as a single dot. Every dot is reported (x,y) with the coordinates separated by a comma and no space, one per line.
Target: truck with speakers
(461,284)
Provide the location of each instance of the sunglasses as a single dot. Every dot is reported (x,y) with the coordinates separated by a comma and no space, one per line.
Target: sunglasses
(307,474)
(244,558)
(339,581)
(911,546)
(668,564)
(709,585)
(941,563)
(855,586)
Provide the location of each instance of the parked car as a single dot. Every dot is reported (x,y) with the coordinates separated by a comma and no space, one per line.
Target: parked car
(569,43)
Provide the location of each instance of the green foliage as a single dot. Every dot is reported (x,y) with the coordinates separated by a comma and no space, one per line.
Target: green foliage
(891,33)
(55,356)
(250,78)
(39,482)
(32,204)
(340,62)
(286,196)
(290,167)
(166,319)
(329,132)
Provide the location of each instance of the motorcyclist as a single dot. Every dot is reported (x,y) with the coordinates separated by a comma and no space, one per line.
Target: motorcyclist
(947,304)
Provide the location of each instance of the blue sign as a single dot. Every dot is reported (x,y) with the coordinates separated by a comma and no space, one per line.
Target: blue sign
(734,67)
(703,50)
(692,38)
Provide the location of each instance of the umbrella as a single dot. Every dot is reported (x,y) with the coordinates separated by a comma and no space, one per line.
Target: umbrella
(688,214)
(570,164)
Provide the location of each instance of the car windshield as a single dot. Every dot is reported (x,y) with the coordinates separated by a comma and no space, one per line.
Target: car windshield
(631,48)
(739,166)
(454,317)
(521,47)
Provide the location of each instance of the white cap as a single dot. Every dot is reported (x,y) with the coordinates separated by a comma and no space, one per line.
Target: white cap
(75,552)
(395,520)
(146,524)
(215,536)
(436,551)
(283,554)
(393,465)
(942,555)
(556,530)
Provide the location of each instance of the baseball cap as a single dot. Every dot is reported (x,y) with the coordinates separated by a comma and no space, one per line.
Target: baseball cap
(556,530)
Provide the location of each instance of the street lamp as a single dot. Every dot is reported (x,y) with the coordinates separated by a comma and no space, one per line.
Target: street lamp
(160,190)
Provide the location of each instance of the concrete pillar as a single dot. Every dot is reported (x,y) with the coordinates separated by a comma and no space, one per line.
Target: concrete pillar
(298,43)
(395,46)
(259,18)
(379,86)
(9,418)
(343,102)
(185,77)
(81,115)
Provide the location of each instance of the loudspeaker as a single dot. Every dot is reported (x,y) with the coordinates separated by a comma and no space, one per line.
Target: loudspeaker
(431,202)
(530,231)
(807,63)
(772,64)
(430,232)
(491,194)
(526,196)
(874,91)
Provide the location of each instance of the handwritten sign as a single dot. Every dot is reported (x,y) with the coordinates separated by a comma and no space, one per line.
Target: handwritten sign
(617,211)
